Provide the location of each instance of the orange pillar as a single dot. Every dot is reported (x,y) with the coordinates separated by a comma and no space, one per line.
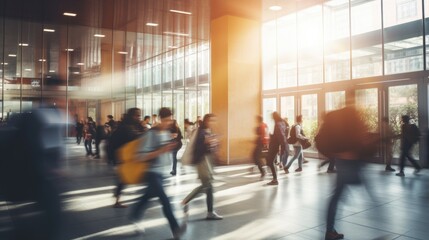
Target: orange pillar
(236,75)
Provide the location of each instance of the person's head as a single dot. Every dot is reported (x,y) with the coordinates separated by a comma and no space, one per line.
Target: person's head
(405,119)
(89,119)
(259,119)
(146,119)
(109,117)
(299,119)
(209,121)
(276,117)
(187,122)
(165,114)
(134,114)
(154,118)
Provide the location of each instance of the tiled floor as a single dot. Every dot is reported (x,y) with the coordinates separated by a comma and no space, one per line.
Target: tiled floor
(389,207)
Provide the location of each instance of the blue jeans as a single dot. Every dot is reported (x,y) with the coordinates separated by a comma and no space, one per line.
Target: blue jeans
(154,189)
(298,155)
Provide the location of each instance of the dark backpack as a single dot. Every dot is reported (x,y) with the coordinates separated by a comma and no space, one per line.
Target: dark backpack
(292,139)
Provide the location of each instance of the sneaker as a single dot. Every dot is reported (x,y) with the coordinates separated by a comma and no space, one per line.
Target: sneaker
(298,170)
(333,235)
(213,216)
(400,174)
(389,169)
(263,175)
(118,205)
(305,161)
(173,173)
(286,170)
(273,182)
(179,231)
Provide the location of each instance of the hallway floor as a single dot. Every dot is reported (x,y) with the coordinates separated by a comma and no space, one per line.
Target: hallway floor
(389,207)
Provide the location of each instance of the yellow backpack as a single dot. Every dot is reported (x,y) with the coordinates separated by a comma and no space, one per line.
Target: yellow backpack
(131,170)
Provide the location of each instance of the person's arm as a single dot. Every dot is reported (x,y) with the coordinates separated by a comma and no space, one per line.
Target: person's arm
(150,148)
(298,132)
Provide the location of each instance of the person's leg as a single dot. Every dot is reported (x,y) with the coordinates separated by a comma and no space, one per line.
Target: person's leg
(331,166)
(158,190)
(174,168)
(270,163)
(402,162)
(300,158)
(97,148)
(296,155)
(257,152)
(411,159)
(117,194)
(87,147)
(192,194)
(138,209)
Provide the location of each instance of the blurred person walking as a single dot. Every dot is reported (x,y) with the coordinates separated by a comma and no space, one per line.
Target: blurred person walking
(261,142)
(296,136)
(176,137)
(410,135)
(89,131)
(277,140)
(348,146)
(155,148)
(204,153)
(388,141)
(129,129)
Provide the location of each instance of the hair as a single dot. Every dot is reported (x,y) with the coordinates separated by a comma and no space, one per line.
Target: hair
(165,112)
(132,111)
(405,118)
(276,117)
(299,118)
(260,118)
(110,116)
(206,119)
(146,117)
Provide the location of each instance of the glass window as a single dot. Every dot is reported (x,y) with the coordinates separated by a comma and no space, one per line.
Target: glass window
(402,101)
(309,114)
(367,103)
(337,43)
(335,100)
(287,50)
(269,55)
(366,38)
(269,105)
(287,104)
(427,32)
(403,36)
(310,46)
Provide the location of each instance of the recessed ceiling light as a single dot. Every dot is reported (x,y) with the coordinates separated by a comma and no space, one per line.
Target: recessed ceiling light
(122,52)
(23,44)
(51,71)
(174,47)
(28,69)
(80,64)
(12,55)
(275,8)
(69,14)
(76,72)
(99,35)
(48,30)
(42,60)
(152,24)
(69,49)
(181,12)
(177,34)
(4,63)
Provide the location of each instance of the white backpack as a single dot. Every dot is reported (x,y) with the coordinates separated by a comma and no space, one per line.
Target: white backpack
(188,154)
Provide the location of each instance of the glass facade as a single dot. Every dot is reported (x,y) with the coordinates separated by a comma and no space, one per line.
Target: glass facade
(320,55)
(111,56)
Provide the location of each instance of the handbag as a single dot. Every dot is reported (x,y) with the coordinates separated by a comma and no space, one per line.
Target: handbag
(305,143)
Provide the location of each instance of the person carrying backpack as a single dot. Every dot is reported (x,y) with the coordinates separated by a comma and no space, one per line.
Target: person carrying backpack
(410,135)
(261,141)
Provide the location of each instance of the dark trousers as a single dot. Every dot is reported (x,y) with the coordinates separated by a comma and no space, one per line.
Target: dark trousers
(88,146)
(406,153)
(97,147)
(155,189)
(78,138)
(272,154)
(348,172)
(257,153)
(174,154)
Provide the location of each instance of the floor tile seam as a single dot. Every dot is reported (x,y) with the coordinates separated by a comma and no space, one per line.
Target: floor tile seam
(374,228)
(406,237)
